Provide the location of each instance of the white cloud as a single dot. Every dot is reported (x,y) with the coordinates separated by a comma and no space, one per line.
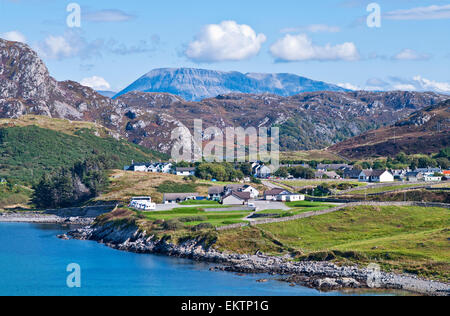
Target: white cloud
(227,41)
(417,83)
(300,47)
(409,54)
(108,16)
(73,44)
(403,87)
(14,36)
(56,47)
(433,12)
(349,86)
(432,85)
(313,28)
(96,83)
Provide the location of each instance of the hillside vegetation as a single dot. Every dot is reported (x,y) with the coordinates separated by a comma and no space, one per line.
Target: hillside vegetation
(27,150)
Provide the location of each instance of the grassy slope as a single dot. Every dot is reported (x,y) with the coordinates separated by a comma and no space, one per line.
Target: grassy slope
(13,197)
(318,155)
(125,185)
(410,239)
(27,150)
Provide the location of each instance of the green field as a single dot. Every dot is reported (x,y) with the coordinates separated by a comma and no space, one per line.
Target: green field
(198,215)
(383,189)
(309,183)
(401,239)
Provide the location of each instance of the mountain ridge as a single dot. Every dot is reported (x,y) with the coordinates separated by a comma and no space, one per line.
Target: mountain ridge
(311,120)
(425,131)
(195,84)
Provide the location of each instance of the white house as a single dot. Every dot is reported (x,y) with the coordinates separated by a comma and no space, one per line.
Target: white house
(431,178)
(236,198)
(254,193)
(290,197)
(262,171)
(143,203)
(172,198)
(185,172)
(271,195)
(380,176)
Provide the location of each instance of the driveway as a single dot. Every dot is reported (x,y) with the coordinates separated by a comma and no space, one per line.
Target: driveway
(270,205)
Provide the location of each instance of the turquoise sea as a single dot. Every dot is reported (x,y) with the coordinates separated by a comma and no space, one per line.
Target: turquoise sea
(33,261)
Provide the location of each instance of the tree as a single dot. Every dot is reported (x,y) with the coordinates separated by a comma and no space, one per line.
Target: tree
(282,172)
(301,172)
(246,169)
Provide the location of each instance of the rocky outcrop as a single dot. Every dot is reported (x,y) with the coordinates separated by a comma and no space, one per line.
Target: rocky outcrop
(321,275)
(426,131)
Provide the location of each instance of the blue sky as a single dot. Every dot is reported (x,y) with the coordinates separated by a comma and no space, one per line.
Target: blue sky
(119,41)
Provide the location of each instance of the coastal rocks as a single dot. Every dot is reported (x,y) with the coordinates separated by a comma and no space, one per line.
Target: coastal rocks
(333,284)
(321,275)
(63,237)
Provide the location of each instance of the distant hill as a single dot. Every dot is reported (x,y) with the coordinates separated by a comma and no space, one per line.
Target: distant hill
(108,94)
(424,132)
(33,145)
(197,84)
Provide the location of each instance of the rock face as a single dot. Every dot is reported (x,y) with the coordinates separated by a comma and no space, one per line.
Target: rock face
(309,120)
(197,84)
(425,131)
(321,275)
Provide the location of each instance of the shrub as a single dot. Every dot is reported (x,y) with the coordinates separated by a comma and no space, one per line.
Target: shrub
(193,219)
(173,224)
(202,226)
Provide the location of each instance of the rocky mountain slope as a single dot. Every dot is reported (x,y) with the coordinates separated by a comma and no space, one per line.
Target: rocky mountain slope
(425,131)
(307,121)
(197,84)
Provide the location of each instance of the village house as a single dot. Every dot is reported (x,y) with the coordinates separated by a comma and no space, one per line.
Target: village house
(161,167)
(138,167)
(326,175)
(326,167)
(432,178)
(446,173)
(414,176)
(271,195)
(290,197)
(429,171)
(172,198)
(216,193)
(261,171)
(350,173)
(236,198)
(400,174)
(143,203)
(380,176)
(185,171)
(254,193)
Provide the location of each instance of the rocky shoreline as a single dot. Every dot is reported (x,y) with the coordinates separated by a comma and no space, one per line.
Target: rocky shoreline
(42,218)
(323,276)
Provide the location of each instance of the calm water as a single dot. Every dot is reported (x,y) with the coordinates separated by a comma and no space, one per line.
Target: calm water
(33,262)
